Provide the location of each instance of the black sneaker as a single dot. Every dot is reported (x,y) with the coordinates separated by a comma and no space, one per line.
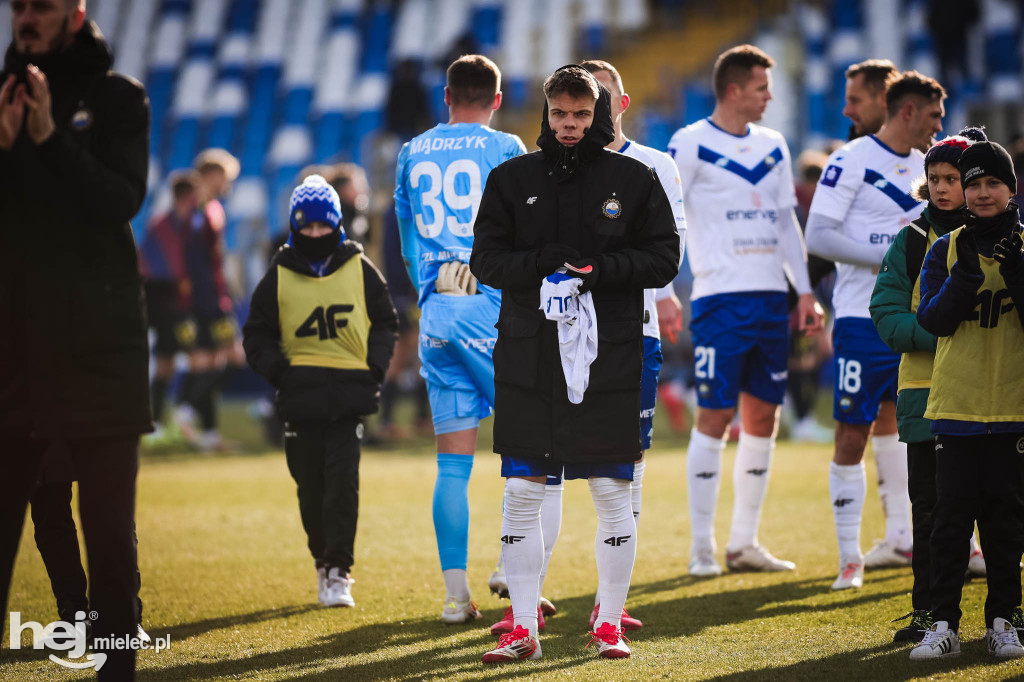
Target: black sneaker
(920,621)
(1017,621)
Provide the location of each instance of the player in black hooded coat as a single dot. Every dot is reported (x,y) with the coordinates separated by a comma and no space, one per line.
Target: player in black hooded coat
(571,202)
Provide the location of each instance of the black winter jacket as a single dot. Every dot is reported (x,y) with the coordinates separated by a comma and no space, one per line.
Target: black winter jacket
(306,393)
(561,195)
(73,349)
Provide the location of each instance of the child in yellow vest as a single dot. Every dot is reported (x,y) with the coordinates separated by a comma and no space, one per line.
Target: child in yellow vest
(972,298)
(321,330)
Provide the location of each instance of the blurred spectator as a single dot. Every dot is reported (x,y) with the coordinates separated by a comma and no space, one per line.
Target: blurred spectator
(349,180)
(408,111)
(168,288)
(217,341)
(949,21)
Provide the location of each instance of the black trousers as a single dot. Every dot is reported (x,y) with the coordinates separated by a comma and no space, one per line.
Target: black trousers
(106,470)
(56,539)
(921,485)
(323,458)
(978,478)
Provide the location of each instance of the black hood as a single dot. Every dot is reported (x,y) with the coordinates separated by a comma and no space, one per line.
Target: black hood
(88,53)
(599,135)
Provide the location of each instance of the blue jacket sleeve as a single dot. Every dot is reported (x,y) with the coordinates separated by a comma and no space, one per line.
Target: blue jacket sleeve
(948,297)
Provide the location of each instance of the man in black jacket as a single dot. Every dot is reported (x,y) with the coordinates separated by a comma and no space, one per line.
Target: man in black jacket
(573,202)
(74,141)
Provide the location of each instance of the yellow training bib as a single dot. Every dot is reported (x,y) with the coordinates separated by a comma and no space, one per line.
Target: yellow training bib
(323,319)
(979,370)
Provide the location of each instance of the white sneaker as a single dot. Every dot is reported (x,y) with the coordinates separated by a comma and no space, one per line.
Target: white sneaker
(339,589)
(185,420)
(142,635)
(497,582)
(976,565)
(703,562)
(885,555)
(517,645)
(808,430)
(755,558)
(321,583)
(939,641)
(611,643)
(1002,640)
(456,611)
(851,574)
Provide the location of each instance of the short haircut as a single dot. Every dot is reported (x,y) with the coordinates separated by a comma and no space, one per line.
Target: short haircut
(473,80)
(574,81)
(734,66)
(911,84)
(877,74)
(596,65)
(217,159)
(183,183)
(346,173)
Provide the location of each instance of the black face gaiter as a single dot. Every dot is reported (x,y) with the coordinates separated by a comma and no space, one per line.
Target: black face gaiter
(316,248)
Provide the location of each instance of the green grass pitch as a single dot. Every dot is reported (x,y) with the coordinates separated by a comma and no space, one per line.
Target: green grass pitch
(227,575)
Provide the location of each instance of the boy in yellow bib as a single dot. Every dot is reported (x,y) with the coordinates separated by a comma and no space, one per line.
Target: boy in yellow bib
(972,297)
(321,330)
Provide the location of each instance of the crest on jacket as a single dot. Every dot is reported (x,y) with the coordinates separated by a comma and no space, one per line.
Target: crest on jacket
(612,208)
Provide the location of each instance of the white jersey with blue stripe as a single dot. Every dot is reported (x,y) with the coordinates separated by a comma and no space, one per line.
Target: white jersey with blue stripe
(867,187)
(440,178)
(734,188)
(668,174)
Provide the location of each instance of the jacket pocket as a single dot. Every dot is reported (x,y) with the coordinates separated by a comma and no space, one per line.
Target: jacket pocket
(517,351)
(620,356)
(611,227)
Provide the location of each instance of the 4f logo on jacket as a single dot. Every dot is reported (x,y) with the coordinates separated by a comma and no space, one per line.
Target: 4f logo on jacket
(324,323)
(990,305)
(617,541)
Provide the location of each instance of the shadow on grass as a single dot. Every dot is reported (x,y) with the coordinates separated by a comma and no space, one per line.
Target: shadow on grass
(187,630)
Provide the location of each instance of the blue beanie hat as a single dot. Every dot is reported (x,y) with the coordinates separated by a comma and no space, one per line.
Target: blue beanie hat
(314,201)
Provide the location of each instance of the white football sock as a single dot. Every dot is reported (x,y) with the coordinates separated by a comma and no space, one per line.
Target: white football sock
(522,548)
(846,485)
(891,461)
(636,489)
(703,471)
(456,583)
(614,546)
(975,547)
(550,523)
(750,484)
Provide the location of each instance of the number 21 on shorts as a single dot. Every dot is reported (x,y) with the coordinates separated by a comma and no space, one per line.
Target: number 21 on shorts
(704,362)
(849,375)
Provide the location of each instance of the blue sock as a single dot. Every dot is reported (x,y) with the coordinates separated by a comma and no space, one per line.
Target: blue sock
(451,509)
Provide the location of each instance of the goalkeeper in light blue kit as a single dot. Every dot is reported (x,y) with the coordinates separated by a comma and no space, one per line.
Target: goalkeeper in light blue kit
(440,178)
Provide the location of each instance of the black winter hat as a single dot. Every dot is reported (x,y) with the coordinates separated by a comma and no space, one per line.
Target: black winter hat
(950,149)
(987,158)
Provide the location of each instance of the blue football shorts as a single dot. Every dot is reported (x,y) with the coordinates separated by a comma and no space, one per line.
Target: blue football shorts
(866,371)
(521,466)
(740,343)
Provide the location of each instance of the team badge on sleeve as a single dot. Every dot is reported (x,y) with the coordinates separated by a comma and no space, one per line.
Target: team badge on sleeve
(831,176)
(612,209)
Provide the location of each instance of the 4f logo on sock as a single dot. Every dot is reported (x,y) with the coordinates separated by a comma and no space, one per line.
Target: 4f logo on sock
(617,541)
(511,539)
(842,502)
(757,472)
(705,474)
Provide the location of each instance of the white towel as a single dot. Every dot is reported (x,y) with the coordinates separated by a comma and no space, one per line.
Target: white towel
(576,319)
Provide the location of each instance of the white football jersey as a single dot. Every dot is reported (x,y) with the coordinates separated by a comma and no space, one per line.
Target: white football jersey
(867,187)
(735,187)
(668,174)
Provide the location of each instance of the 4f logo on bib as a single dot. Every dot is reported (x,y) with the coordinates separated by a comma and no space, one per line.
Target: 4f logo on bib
(324,323)
(990,306)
